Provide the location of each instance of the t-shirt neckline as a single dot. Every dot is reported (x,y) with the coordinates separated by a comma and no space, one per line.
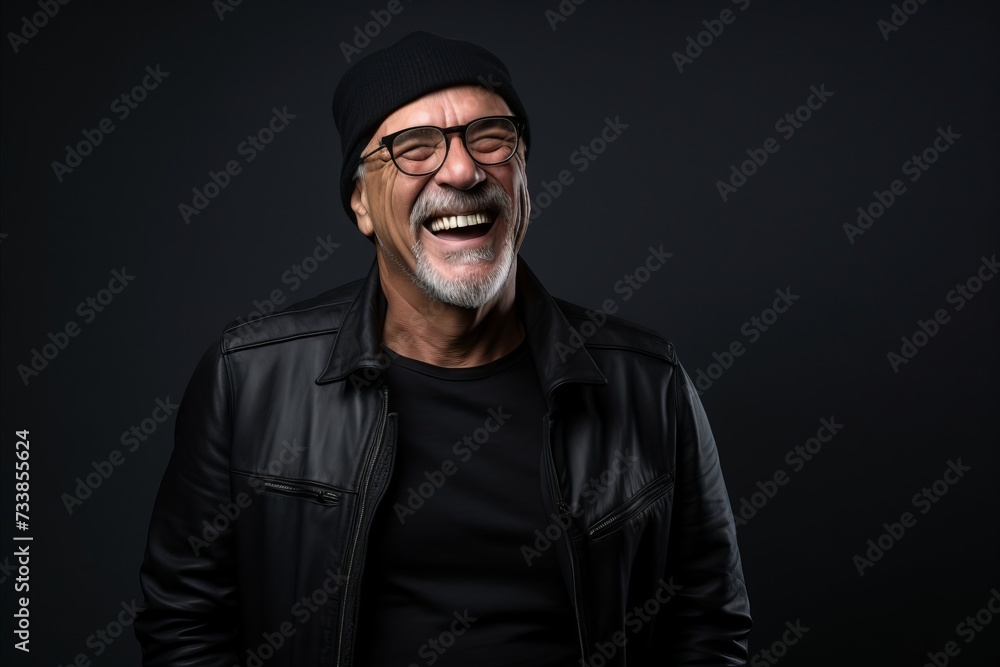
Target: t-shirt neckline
(500,365)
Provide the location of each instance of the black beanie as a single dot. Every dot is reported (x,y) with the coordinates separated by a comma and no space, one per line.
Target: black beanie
(385,80)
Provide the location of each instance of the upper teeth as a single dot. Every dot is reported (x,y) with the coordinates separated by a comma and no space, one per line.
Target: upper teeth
(453,221)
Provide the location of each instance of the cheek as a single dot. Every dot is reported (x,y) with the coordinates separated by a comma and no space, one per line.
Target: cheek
(400,205)
(520,199)
(396,201)
(521,190)
(380,201)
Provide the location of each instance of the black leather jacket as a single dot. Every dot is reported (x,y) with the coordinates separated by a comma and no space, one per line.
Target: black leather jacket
(285,442)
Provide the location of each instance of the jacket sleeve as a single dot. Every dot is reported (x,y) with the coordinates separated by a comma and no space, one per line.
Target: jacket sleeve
(710,613)
(188,573)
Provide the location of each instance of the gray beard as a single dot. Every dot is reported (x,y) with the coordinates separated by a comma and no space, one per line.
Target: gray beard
(474,292)
(469,292)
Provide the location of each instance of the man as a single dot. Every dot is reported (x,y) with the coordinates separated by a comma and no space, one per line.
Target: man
(441,464)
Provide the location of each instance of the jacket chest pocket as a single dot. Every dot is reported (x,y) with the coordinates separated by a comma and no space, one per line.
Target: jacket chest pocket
(310,491)
(260,486)
(633,508)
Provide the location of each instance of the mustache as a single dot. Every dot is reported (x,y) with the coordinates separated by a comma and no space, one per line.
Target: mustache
(488,195)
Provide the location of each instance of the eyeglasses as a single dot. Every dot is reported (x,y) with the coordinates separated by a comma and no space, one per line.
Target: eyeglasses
(419,151)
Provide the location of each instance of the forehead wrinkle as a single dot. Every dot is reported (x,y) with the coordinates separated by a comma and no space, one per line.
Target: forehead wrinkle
(445,108)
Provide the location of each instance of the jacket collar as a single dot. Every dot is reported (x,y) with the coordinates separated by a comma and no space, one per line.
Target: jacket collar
(357,346)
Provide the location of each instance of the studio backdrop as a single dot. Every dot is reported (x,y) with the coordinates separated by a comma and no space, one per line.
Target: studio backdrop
(801,196)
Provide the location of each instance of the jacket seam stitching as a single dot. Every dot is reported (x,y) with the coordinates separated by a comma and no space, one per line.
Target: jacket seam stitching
(669,476)
(638,514)
(287,312)
(271,341)
(232,400)
(677,392)
(607,346)
(236,471)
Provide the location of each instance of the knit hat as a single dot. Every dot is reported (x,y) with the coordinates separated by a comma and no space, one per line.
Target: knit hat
(385,80)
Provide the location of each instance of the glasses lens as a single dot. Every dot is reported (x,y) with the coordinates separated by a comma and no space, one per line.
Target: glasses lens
(419,151)
(491,140)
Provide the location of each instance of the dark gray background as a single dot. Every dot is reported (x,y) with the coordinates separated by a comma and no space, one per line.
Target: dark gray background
(654,185)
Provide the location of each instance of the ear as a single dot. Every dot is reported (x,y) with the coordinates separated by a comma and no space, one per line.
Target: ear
(359,204)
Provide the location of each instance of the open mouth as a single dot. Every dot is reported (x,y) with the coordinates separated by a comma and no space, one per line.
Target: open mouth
(461,227)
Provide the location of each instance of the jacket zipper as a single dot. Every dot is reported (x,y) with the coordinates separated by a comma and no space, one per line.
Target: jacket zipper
(313,493)
(636,505)
(571,548)
(362,502)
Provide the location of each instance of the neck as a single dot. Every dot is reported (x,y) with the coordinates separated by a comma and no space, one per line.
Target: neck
(445,335)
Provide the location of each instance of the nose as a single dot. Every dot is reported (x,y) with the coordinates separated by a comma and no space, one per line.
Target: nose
(459,169)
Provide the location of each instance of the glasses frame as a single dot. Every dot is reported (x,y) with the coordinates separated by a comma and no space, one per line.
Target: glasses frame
(387,141)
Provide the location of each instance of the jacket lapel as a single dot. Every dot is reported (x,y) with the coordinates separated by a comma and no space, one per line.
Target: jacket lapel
(551,337)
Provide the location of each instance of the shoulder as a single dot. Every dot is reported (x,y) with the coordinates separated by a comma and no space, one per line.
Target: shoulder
(601,331)
(320,315)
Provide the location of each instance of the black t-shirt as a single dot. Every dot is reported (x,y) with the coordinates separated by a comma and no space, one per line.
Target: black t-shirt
(445,581)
